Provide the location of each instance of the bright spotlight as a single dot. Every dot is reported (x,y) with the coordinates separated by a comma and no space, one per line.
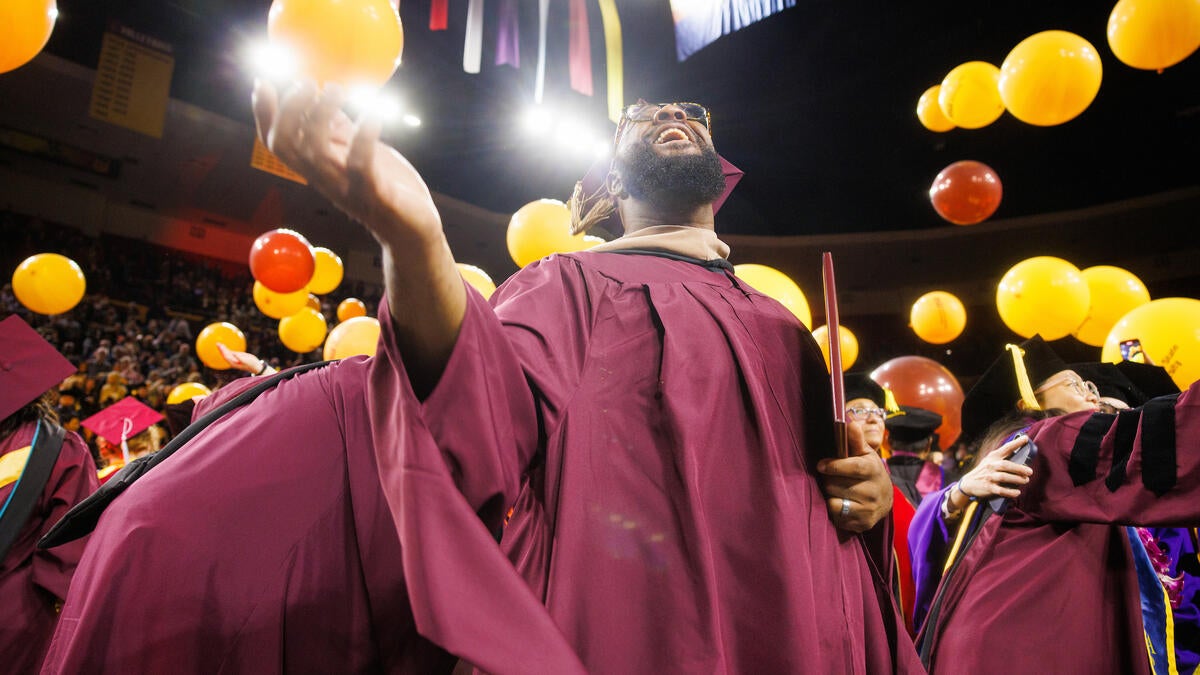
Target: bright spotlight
(536,119)
(603,148)
(272,62)
(412,120)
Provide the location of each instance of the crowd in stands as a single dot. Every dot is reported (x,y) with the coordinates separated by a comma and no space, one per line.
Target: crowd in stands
(134,332)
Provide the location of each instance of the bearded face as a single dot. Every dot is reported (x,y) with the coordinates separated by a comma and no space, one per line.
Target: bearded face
(670,181)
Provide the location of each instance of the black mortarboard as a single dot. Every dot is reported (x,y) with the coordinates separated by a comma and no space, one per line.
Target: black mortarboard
(1153,381)
(1110,382)
(912,424)
(1011,378)
(860,385)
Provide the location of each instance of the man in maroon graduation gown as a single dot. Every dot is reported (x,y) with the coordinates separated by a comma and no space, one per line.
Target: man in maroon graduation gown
(656,424)
(33,583)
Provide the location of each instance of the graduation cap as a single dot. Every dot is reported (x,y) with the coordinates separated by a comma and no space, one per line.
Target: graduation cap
(29,366)
(910,424)
(1110,382)
(591,204)
(121,421)
(1153,381)
(860,385)
(1011,378)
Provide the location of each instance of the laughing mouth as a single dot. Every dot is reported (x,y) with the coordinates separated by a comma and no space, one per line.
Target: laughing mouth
(671,134)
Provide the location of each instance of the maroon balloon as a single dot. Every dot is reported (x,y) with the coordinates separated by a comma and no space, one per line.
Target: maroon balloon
(282,260)
(924,383)
(966,192)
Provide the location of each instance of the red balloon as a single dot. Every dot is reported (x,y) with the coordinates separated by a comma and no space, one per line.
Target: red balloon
(282,260)
(966,192)
(924,383)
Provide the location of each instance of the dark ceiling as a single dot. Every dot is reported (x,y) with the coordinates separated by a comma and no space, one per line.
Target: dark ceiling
(816,104)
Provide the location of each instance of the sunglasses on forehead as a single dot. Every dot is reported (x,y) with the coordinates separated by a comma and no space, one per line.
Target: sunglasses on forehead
(644,112)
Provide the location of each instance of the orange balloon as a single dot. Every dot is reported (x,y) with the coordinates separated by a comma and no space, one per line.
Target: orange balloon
(350,308)
(25,27)
(327,273)
(353,337)
(478,279)
(282,260)
(924,383)
(847,340)
(541,228)
(1050,78)
(278,305)
(1154,34)
(966,192)
(313,302)
(48,283)
(930,113)
(938,317)
(303,331)
(223,332)
(970,95)
(351,42)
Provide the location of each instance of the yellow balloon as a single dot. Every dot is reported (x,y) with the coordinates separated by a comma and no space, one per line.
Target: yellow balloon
(1114,293)
(328,271)
(355,43)
(48,283)
(1154,34)
(1164,332)
(206,344)
(775,284)
(540,228)
(352,337)
(478,279)
(930,113)
(25,27)
(303,331)
(845,338)
(278,305)
(938,317)
(1043,295)
(186,392)
(1050,77)
(970,95)
(313,302)
(350,308)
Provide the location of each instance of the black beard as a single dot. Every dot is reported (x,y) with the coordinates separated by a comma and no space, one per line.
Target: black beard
(675,182)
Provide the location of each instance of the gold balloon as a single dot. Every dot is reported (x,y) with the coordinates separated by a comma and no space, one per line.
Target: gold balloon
(352,43)
(775,284)
(186,392)
(25,27)
(1164,332)
(846,339)
(313,302)
(353,337)
(541,228)
(970,95)
(1154,34)
(350,308)
(1043,295)
(303,331)
(938,317)
(930,113)
(478,279)
(1050,78)
(48,283)
(223,332)
(278,305)
(328,271)
(1114,293)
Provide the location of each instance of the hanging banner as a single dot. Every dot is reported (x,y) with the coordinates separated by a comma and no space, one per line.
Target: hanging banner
(699,22)
(616,67)
(508,38)
(539,84)
(263,159)
(438,13)
(133,80)
(473,44)
(580,49)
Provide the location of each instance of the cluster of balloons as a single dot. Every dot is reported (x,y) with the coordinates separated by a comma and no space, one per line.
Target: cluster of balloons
(355,43)
(966,192)
(924,383)
(938,317)
(25,27)
(48,283)
(289,273)
(775,284)
(541,228)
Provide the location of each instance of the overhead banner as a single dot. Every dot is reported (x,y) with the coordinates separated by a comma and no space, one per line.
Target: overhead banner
(133,80)
(699,22)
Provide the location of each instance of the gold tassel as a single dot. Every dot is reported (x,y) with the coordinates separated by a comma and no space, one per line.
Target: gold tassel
(583,216)
(889,403)
(1023,377)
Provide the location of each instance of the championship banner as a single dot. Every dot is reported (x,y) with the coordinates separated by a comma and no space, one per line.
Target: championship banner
(263,159)
(699,22)
(133,80)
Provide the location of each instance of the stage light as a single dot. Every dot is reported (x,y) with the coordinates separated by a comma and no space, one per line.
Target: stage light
(271,62)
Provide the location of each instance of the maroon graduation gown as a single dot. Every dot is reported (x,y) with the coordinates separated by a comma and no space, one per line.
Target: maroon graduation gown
(32,582)
(658,420)
(1051,585)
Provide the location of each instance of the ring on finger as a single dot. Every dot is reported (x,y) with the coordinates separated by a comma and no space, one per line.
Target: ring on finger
(845,507)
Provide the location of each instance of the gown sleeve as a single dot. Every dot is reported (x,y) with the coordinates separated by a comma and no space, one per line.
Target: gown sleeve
(72,479)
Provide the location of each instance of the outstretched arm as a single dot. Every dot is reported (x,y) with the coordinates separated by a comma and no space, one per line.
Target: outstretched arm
(373,184)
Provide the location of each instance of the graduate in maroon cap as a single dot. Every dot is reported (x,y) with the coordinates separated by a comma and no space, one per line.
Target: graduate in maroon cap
(125,431)
(44,471)
(661,431)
